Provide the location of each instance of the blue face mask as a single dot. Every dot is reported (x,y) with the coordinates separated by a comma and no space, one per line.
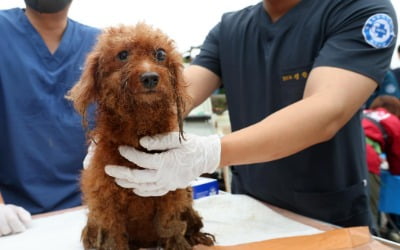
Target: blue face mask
(47,6)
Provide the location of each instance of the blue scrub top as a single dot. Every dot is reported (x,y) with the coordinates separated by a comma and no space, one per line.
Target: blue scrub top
(42,142)
(389,86)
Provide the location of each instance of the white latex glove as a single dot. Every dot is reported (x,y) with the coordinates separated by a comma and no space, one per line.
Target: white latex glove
(182,162)
(13,219)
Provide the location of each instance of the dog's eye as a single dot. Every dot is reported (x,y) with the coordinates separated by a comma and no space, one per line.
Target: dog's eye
(160,55)
(123,55)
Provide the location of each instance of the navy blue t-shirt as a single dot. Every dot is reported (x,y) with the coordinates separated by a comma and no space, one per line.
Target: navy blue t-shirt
(264,67)
(42,143)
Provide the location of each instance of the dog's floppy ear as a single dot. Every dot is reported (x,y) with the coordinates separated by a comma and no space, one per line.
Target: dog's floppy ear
(84,91)
(181,97)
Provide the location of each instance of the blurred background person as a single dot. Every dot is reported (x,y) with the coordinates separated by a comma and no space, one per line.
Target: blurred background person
(381,125)
(396,71)
(389,86)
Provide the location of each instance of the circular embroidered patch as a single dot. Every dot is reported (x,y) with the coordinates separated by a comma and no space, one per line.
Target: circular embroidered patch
(378,31)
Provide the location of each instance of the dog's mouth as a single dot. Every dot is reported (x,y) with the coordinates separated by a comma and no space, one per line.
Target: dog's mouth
(150,96)
(149,91)
(141,90)
(146,83)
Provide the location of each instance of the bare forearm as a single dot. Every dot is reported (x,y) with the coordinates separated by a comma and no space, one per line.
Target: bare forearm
(323,111)
(279,135)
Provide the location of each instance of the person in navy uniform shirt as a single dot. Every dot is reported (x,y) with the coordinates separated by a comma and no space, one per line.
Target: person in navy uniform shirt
(296,75)
(42,142)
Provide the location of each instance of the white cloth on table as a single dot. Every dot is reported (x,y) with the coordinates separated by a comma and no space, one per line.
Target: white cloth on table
(233,219)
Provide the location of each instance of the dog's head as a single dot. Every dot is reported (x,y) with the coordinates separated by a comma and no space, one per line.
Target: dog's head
(129,69)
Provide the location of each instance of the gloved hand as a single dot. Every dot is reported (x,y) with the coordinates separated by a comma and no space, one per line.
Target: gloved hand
(13,219)
(182,162)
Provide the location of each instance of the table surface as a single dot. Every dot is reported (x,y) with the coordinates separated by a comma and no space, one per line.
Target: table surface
(323,226)
(62,228)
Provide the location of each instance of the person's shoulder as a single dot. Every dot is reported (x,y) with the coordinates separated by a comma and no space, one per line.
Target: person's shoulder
(368,6)
(360,3)
(84,28)
(380,3)
(246,12)
(353,9)
(10,21)
(9,14)
(390,74)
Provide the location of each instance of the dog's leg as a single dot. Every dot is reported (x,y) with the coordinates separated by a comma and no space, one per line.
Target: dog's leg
(94,237)
(117,238)
(172,229)
(91,236)
(194,225)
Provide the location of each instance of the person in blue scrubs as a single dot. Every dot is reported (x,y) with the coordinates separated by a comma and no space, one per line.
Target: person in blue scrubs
(389,86)
(296,75)
(42,143)
(396,71)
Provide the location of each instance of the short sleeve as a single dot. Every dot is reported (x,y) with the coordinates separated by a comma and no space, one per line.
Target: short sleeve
(360,38)
(209,53)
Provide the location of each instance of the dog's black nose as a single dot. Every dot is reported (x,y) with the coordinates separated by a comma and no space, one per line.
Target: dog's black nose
(149,79)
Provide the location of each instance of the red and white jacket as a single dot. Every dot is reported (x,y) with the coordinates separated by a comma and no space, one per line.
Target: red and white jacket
(389,145)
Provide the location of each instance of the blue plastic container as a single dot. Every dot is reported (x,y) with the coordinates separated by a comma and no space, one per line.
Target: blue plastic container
(389,200)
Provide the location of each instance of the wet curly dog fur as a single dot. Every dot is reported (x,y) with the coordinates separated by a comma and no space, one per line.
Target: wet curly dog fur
(134,78)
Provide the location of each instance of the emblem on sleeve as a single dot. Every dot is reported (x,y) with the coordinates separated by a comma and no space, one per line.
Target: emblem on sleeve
(378,31)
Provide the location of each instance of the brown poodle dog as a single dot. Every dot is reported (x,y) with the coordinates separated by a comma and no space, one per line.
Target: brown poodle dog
(134,77)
